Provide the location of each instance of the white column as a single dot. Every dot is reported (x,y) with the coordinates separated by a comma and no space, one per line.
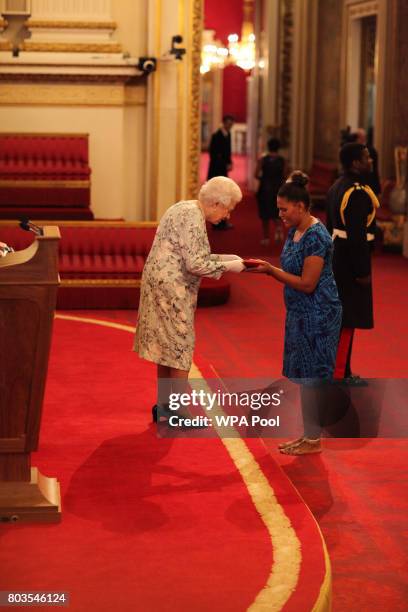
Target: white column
(173,129)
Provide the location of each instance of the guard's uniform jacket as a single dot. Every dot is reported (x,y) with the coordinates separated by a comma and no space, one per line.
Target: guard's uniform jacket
(351,208)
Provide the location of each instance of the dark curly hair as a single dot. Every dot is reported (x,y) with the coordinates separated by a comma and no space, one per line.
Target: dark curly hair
(294,190)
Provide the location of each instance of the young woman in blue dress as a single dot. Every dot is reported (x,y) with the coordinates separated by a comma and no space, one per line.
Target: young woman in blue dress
(313,308)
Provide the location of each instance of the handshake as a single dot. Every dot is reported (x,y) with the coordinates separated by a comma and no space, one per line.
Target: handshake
(234,263)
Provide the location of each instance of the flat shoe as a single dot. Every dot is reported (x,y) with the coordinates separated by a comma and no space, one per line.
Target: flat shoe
(290,443)
(306,447)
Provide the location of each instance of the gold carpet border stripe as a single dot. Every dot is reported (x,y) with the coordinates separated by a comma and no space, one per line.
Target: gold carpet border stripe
(121,326)
(286,546)
(287,557)
(324,599)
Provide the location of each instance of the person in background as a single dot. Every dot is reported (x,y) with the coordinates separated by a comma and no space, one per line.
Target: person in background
(220,157)
(180,256)
(372,177)
(351,208)
(270,171)
(313,309)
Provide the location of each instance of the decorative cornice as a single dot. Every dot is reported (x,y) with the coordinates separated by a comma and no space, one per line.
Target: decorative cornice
(96,79)
(59,47)
(67,94)
(5,45)
(362,9)
(78,25)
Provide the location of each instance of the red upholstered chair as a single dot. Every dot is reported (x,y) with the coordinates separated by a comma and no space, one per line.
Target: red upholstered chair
(44,176)
(321,177)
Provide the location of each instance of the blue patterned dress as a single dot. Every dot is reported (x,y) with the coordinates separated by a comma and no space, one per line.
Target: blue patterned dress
(313,320)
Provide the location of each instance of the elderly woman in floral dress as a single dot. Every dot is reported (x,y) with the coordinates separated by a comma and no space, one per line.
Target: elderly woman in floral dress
(179,257)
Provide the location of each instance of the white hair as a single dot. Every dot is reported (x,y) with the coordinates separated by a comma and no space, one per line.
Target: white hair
(220,189)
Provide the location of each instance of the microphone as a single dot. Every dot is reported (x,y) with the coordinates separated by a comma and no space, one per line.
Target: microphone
(26,225)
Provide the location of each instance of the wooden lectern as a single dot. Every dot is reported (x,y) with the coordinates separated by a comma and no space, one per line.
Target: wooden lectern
(28,290)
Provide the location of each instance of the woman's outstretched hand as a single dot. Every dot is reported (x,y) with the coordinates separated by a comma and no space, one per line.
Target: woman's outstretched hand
(258,265)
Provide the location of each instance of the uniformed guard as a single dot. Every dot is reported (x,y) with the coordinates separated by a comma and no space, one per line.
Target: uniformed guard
(351,209)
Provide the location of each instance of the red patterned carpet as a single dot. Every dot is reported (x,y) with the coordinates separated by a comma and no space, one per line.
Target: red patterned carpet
(152,523)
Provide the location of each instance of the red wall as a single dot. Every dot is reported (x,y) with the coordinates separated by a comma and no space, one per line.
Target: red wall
(225,17)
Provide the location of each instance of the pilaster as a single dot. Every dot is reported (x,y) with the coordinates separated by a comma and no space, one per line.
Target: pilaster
(173,105)
(71,26)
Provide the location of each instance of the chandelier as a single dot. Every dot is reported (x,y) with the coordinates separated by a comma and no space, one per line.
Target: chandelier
(242,52)
(213,54)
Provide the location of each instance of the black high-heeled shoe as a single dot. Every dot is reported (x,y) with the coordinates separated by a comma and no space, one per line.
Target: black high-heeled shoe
(155,410)
(161,411)
(165,412)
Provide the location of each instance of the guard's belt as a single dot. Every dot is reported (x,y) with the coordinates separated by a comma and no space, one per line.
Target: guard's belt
(369,192)
(338,233)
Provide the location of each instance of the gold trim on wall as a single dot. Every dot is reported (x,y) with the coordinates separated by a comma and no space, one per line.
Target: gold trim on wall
(71,94)
(45,184)
(60,47)
(47,134)
(96,223)
(6,45)
(82,25)
(100,282)
(194,98)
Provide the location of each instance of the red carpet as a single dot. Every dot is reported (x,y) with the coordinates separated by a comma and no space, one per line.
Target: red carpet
(357,490)
(148,523)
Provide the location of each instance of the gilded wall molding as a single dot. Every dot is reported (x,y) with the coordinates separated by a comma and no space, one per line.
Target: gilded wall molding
(5,45)
(363,9)
(78,25)
(195,99)
(67,94)
(60,47)
(96,79)
(286,70)
(100,282)
(44,184)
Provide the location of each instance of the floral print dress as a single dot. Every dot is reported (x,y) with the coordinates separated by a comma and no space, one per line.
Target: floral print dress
(179,257)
